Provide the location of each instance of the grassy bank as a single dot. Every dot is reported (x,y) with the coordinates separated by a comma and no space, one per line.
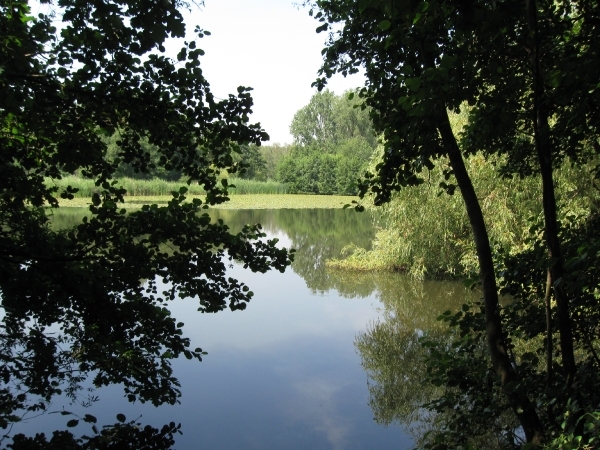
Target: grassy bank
(248,201)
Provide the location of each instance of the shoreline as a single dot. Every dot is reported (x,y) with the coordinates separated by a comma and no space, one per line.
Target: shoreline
(237,201)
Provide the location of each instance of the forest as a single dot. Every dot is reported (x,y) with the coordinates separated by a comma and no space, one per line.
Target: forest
(333,142)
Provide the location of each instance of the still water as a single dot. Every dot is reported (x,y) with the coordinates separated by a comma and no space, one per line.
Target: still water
(286,373)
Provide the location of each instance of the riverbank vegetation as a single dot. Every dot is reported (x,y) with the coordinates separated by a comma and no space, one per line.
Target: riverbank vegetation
(333,143)
(157,187)
(426,233)
(248,201)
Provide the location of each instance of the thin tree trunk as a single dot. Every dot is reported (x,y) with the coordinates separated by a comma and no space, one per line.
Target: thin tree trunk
(520,403)
(544,151)
(549,342)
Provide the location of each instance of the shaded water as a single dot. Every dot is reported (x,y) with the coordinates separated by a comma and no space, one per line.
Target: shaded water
(286,372)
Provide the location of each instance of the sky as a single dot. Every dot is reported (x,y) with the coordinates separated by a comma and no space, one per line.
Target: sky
(269,45)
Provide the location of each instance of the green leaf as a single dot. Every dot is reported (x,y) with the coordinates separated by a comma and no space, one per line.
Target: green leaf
(363,5)
(121,418)
(72,423)
(384,25)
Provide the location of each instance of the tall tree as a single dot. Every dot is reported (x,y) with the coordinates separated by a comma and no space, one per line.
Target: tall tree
(330,119)
(333,141)
(540,108)
(102,73)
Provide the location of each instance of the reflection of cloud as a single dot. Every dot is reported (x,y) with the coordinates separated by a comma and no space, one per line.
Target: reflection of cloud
(316,405)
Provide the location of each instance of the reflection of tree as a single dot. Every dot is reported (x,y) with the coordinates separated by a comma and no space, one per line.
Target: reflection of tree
(316,234)
(64,218)
(320,236)
(392,354)
(390,349)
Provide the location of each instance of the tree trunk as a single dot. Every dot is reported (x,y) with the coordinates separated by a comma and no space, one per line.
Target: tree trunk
(544,152)
(520,403)
(549,343)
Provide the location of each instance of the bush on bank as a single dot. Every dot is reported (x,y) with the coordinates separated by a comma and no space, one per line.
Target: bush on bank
(426,232)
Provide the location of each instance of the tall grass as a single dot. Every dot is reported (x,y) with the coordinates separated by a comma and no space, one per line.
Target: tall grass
(256,187)
(158,187)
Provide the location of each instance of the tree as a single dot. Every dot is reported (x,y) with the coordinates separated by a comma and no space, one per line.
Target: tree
(98,283)
(152,156)
(314,123)
(511,62)
(545,103)
(252,162)
(329,120)
(333,141)
(409,95)
(272,154)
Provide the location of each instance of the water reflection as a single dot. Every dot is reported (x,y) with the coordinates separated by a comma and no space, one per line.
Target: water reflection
(316,234)
(285,373)
(391,352)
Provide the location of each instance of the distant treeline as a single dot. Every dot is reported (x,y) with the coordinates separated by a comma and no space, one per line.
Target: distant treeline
(333,143)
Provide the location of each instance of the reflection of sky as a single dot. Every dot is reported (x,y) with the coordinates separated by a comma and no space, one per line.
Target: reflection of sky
(282,374)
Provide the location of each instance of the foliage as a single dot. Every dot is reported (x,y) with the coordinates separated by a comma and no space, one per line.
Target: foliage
(130,434)
(333,141)
(427,233)
(329,120)
(459,365)
(157,187)
(272,155)
(391,350)
(151,154)
(253,164)
(92,300)
(464,403)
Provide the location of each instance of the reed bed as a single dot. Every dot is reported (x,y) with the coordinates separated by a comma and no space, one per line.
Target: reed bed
(243,187)
(157,187)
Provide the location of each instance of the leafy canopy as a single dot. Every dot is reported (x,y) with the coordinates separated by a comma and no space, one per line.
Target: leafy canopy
(529,73)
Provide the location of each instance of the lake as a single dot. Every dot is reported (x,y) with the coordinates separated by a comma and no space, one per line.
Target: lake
(286,373)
